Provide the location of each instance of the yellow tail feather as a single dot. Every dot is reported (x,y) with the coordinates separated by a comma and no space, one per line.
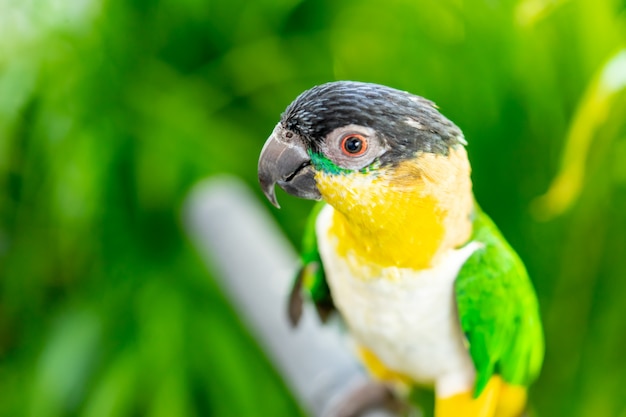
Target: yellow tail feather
(498,399)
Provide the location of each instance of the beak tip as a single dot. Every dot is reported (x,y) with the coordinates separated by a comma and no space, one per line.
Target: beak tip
(273,200)
(269,191)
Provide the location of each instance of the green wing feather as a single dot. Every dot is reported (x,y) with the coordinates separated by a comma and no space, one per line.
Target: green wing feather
(311,279)
(498,310)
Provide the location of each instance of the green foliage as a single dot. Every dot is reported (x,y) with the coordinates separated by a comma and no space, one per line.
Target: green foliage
(111,110)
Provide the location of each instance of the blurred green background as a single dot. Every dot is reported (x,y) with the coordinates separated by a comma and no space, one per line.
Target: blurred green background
(111,110)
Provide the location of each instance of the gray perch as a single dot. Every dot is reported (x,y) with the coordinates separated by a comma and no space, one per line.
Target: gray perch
(255,264)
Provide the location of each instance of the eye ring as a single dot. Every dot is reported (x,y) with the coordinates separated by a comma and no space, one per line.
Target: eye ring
(353,144)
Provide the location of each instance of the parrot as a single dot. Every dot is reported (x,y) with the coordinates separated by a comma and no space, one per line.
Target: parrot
(430,292)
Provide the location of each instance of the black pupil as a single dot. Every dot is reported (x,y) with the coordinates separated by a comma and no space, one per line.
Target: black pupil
(353,144)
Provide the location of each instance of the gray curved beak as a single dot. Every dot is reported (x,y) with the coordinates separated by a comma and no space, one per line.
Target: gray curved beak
(285,161)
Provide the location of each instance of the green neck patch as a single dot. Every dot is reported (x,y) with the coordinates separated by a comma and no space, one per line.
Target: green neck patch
(321,163)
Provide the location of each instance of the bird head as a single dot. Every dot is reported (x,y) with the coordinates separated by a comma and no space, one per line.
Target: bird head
(376,154)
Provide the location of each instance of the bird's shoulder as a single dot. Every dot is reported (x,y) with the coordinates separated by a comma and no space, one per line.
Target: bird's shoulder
(311,277)
(498,309)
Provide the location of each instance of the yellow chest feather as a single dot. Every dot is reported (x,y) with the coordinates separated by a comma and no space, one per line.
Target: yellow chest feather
(403,216)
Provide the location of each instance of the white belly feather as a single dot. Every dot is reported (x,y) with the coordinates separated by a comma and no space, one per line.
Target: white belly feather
(407,318)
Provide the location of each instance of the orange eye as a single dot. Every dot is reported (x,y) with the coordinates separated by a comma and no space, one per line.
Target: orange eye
(353,145)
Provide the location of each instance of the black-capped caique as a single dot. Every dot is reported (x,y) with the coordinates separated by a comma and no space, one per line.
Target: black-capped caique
(429,289)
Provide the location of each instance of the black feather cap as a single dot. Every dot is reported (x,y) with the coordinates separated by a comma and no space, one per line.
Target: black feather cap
(408,123)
